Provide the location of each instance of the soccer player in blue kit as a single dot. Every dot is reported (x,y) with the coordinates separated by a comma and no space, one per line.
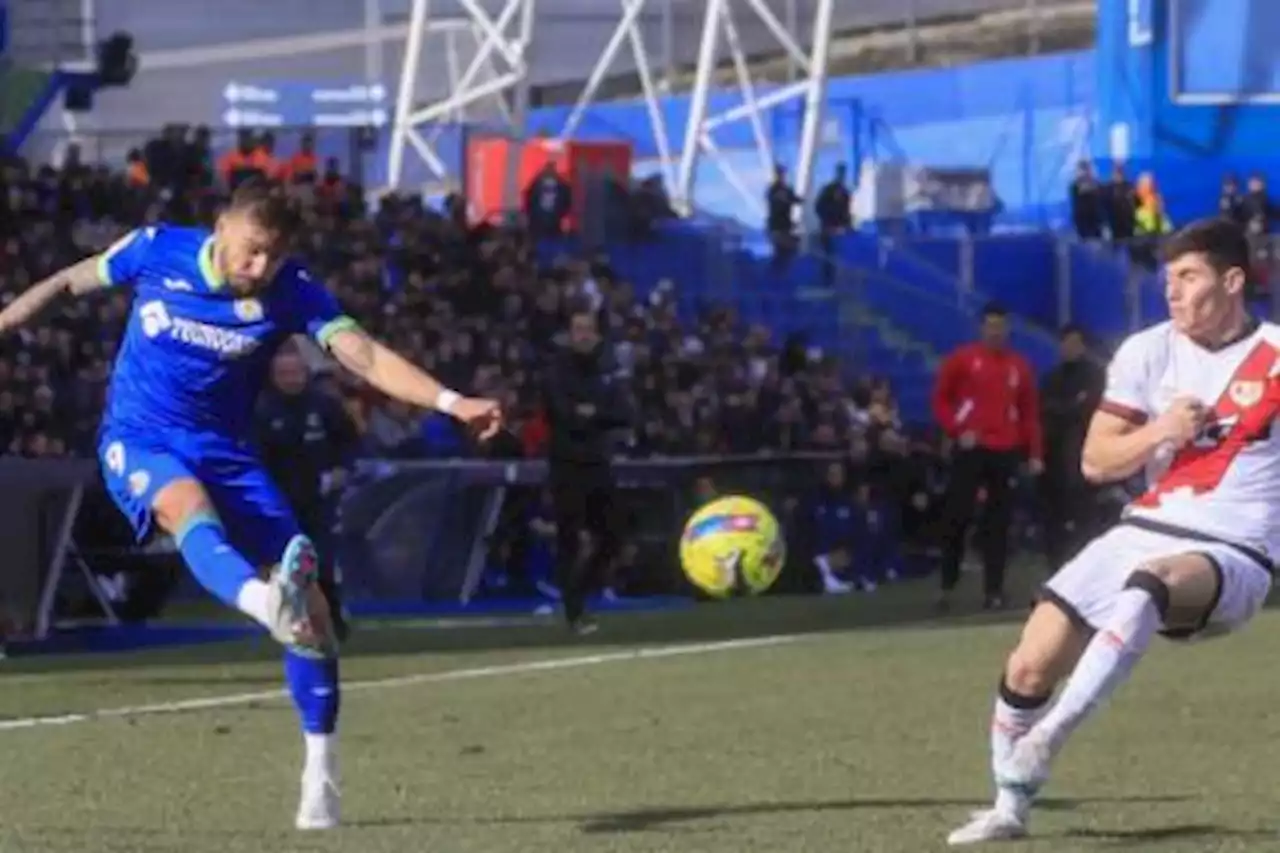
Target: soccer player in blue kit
(209,310)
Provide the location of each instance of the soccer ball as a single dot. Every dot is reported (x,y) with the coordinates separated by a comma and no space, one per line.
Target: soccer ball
(732,546)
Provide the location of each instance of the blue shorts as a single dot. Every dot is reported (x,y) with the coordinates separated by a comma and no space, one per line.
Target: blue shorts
(255,515)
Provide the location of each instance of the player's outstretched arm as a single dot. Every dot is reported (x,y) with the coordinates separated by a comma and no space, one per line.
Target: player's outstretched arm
(76,280)
(397,377)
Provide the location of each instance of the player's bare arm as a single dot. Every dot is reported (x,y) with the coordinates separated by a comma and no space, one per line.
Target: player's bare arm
(76,280)
(1116,448)
(397,377)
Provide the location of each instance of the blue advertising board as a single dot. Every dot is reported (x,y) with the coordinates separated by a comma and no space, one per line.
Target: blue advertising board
(322,104)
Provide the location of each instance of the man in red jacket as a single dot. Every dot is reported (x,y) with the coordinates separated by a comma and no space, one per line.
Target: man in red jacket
(986,400)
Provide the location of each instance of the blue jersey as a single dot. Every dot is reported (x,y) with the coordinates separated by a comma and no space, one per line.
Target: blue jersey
(195,355)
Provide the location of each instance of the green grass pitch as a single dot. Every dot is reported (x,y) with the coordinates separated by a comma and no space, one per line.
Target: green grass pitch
(866,733)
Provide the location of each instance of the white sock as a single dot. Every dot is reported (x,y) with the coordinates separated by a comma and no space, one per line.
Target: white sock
(1008,724)
(253,600)
(1105,664)
(322,754)
(824,568)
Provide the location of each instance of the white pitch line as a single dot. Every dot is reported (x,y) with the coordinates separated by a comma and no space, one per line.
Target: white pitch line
(547,665)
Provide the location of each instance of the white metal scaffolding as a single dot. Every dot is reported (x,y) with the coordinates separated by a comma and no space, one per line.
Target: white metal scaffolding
(503,50)
(508,40)
(811,86)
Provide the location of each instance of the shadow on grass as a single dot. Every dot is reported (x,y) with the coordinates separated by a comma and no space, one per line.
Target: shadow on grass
(1156,834)
(650,819)
(669,818)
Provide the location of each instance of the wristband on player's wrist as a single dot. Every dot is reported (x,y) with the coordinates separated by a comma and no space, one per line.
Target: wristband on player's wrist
(446,400)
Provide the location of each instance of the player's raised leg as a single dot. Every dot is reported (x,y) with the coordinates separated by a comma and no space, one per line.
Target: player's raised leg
(183,509)
(1050,645)
(1178,593)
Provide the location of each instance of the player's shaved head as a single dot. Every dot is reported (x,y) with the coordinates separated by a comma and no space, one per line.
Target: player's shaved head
(262,203)
(253,234)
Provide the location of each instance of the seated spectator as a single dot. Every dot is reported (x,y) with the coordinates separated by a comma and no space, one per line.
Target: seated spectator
(834,530)
(136,172)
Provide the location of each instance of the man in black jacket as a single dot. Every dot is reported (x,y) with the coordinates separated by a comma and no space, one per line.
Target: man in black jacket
(835,216)
(586,404)
(1068,396)
(304,438)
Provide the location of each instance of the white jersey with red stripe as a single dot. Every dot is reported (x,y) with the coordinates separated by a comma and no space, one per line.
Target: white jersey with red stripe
(1225,483)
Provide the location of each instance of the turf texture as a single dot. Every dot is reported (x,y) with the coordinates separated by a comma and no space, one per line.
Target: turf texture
(856,724)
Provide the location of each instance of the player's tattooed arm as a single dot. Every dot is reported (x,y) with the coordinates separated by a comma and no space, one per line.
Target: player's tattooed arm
(76,280)
(384,368)
(397,377)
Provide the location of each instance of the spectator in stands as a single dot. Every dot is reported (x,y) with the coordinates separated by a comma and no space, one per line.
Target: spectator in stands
(1151,222)
(1255,208)
(1069,394)
(1230,202)
(834,209)
(303,167)
(780,202)
(547,202)
(263,158)
(649,206)
(136,172)
(238,164)
(394,430)
(1121,205)
(1088,205)
(987,402)
(832,516)
(332,188)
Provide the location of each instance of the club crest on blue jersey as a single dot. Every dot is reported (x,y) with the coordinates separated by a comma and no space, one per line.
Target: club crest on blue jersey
(249,310)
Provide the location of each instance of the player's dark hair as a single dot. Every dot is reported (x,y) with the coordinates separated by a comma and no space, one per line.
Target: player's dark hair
(1221,241)
(259,200)
(994,309)
(1068,330)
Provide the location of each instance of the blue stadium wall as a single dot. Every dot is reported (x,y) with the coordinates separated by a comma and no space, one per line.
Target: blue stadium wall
(1190,89)
(1028,119)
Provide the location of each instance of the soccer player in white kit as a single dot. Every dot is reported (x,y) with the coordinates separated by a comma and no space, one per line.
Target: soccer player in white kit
(1192,401)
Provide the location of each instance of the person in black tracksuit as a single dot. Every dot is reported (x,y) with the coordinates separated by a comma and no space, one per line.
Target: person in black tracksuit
(586,405)
(304,438)
(1069,394)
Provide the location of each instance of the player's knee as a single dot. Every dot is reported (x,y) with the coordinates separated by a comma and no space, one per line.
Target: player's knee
(1028,673)
(1152,579)
(179,502)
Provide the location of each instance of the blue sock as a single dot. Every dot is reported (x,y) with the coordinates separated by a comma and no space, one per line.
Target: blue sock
(215,564)
(313,683)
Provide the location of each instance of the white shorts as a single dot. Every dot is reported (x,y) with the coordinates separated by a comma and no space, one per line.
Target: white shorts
(1086,588)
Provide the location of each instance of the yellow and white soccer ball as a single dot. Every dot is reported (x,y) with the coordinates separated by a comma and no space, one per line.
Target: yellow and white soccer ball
(732,546)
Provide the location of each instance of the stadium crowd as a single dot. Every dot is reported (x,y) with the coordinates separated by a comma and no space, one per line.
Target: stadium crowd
(468,303)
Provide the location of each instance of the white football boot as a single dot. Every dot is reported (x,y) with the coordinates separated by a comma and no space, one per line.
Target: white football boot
(320,806)
(989,825)
(1020,778)
(290,585)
